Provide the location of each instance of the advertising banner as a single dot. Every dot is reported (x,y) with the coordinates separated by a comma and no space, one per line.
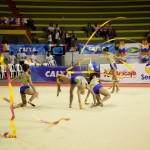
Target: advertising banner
(49,73)
(141,73)
(133,52)
(97,48)
(27,48)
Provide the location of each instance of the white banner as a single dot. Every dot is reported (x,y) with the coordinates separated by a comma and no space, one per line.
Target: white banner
(141,73)
(133,52)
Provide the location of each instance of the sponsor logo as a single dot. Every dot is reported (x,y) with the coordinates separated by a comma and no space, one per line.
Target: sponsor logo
(125,73)
(50,74)
(133,50)
(147,68)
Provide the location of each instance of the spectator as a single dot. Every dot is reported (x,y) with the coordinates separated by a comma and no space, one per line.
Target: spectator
(11,58)
(30,24)
(63,33)
(50,38)
(89,30)
(50,59)
(34,58)
(56,37)
(51,28)
(4,40)
(148,36)
(111,32)
(103,32)
(22,57)
(97,34)
(73,39)
(57,27)
(34,38)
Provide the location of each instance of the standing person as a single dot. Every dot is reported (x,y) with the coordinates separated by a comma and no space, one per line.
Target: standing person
(75,80)
(22,57)
(95,85)
(113,67)
(25,88)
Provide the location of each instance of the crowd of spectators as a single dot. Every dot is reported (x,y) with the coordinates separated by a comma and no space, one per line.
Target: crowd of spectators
(106,32)
(60,35)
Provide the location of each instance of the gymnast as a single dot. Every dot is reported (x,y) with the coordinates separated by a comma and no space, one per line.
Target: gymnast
(95,85)
(25,89)
(113,67)
(75,80)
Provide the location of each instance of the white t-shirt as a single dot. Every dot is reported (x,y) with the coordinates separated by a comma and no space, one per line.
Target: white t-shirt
(34,59)
(22,56)
(11,59)
(49,58)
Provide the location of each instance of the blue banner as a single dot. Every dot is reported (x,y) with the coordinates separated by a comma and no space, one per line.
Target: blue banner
(27,48)
(48,73)
(89,49)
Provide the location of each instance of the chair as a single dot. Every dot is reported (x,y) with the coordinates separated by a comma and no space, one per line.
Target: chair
(11,68)
(18,69)
(2,71)
(31,64)
(45,64)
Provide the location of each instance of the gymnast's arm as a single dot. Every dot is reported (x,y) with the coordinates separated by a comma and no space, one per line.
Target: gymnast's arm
(18,77)
(93,94)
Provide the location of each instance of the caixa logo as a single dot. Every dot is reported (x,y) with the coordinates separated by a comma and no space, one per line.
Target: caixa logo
(147,70)
(50,74)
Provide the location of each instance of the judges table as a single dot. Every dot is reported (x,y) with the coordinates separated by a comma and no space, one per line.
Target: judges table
(48,73)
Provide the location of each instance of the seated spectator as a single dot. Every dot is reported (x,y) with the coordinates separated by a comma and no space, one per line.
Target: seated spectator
(11,58)
(34,58)
(50,59)
(30,24)
(22,57)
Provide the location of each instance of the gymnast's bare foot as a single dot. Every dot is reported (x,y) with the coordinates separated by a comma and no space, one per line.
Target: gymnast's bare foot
(58,92)
(31,104)
(117,90)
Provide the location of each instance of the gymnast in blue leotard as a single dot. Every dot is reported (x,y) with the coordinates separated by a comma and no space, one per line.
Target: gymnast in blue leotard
(25,89)
(113,67)
(75,80)
(96,86)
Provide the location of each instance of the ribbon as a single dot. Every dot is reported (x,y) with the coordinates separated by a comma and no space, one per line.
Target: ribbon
(11,101)
(51,123)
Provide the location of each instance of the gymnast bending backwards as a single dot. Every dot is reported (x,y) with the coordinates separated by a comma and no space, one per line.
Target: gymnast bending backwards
(25,89)
(96,86)
(75,80)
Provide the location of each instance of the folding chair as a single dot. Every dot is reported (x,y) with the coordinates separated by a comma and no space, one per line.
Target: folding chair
(18,69)
(2,71)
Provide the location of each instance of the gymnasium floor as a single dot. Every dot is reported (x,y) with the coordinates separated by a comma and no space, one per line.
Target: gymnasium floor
(122,124)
